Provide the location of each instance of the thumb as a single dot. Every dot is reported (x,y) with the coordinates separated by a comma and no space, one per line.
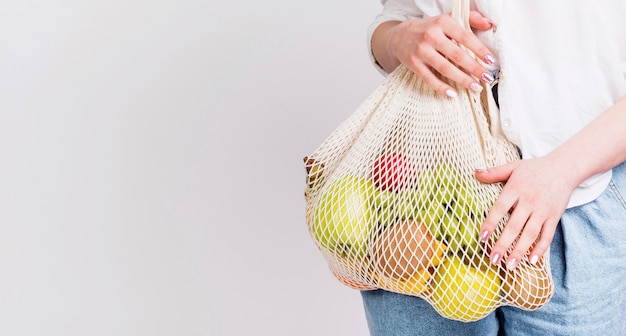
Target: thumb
(479,22)
(496,174)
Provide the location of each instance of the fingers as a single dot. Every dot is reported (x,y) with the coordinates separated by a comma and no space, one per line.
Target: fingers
(440,45)
(443,66)
(496,174)
(545,239)
(503,204)
(433,81)
(456,59)
(467,38)
(456,63)
(479,22)
(498,211)
(521,231)
(522,235)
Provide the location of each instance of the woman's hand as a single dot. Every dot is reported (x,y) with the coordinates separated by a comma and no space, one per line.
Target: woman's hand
(537,190)
(535,195)
(427,46)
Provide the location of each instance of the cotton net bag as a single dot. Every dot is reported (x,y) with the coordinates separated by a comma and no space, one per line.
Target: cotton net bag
(392,201)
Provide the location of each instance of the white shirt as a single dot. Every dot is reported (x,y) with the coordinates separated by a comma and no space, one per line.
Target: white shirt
(562,64)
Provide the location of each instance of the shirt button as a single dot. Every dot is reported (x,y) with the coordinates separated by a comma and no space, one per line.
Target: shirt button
(506,122)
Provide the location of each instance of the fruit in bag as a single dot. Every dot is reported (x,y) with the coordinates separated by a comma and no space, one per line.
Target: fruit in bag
(314,170)
(416,284)
(354,284)
(393,172)
(528,287)
(460,223)
(405,248)
(463,292)
(343,217)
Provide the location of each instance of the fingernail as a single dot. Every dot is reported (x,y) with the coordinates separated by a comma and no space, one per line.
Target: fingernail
(534,259)
(511,265)
(487,77)
(495,259)
(476,87)
(480,170)
(483,235)
(450,93)
(488,58)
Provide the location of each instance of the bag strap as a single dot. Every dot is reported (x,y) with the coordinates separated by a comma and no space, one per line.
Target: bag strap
(460,12)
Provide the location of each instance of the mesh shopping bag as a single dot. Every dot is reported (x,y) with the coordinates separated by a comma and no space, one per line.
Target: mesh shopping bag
(392,201)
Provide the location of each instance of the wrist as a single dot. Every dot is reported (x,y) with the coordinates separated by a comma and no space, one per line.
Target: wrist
(569,166)
(382,46)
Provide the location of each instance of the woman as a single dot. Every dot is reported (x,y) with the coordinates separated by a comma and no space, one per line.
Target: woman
(561,70)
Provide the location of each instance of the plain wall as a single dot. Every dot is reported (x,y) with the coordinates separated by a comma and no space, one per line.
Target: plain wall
(151,175)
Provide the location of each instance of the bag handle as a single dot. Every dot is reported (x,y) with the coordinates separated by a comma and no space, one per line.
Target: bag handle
(460,12)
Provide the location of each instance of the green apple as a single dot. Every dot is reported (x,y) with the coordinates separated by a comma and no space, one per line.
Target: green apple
(453,241)
(466,200)
(427,185)
(449,226)
(384,205)
(447,179)
(464,233)
(445,174)
(459,227)
(443,194)
(383,198)
(465,293)
(433,216)
(411,201)
(460,209)
(343,220)
(467,235)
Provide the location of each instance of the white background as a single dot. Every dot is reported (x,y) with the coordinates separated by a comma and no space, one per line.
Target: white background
(151,175)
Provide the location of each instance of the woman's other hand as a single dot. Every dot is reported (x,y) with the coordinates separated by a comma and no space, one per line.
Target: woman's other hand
(535,195)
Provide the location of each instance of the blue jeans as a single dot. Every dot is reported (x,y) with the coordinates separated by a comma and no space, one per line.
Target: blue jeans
(588,262)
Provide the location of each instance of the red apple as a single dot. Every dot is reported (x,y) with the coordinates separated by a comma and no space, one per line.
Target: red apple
(393,172)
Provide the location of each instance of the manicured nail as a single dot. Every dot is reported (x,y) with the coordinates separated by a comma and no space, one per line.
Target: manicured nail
(534,259)
(480,170)
(476,87)
(483,235)
(495,259)
(488,58)
(511,265)
(487,77)
(450,93)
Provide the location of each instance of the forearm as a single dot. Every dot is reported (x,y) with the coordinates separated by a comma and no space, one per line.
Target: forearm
(596,148)
(380,46)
